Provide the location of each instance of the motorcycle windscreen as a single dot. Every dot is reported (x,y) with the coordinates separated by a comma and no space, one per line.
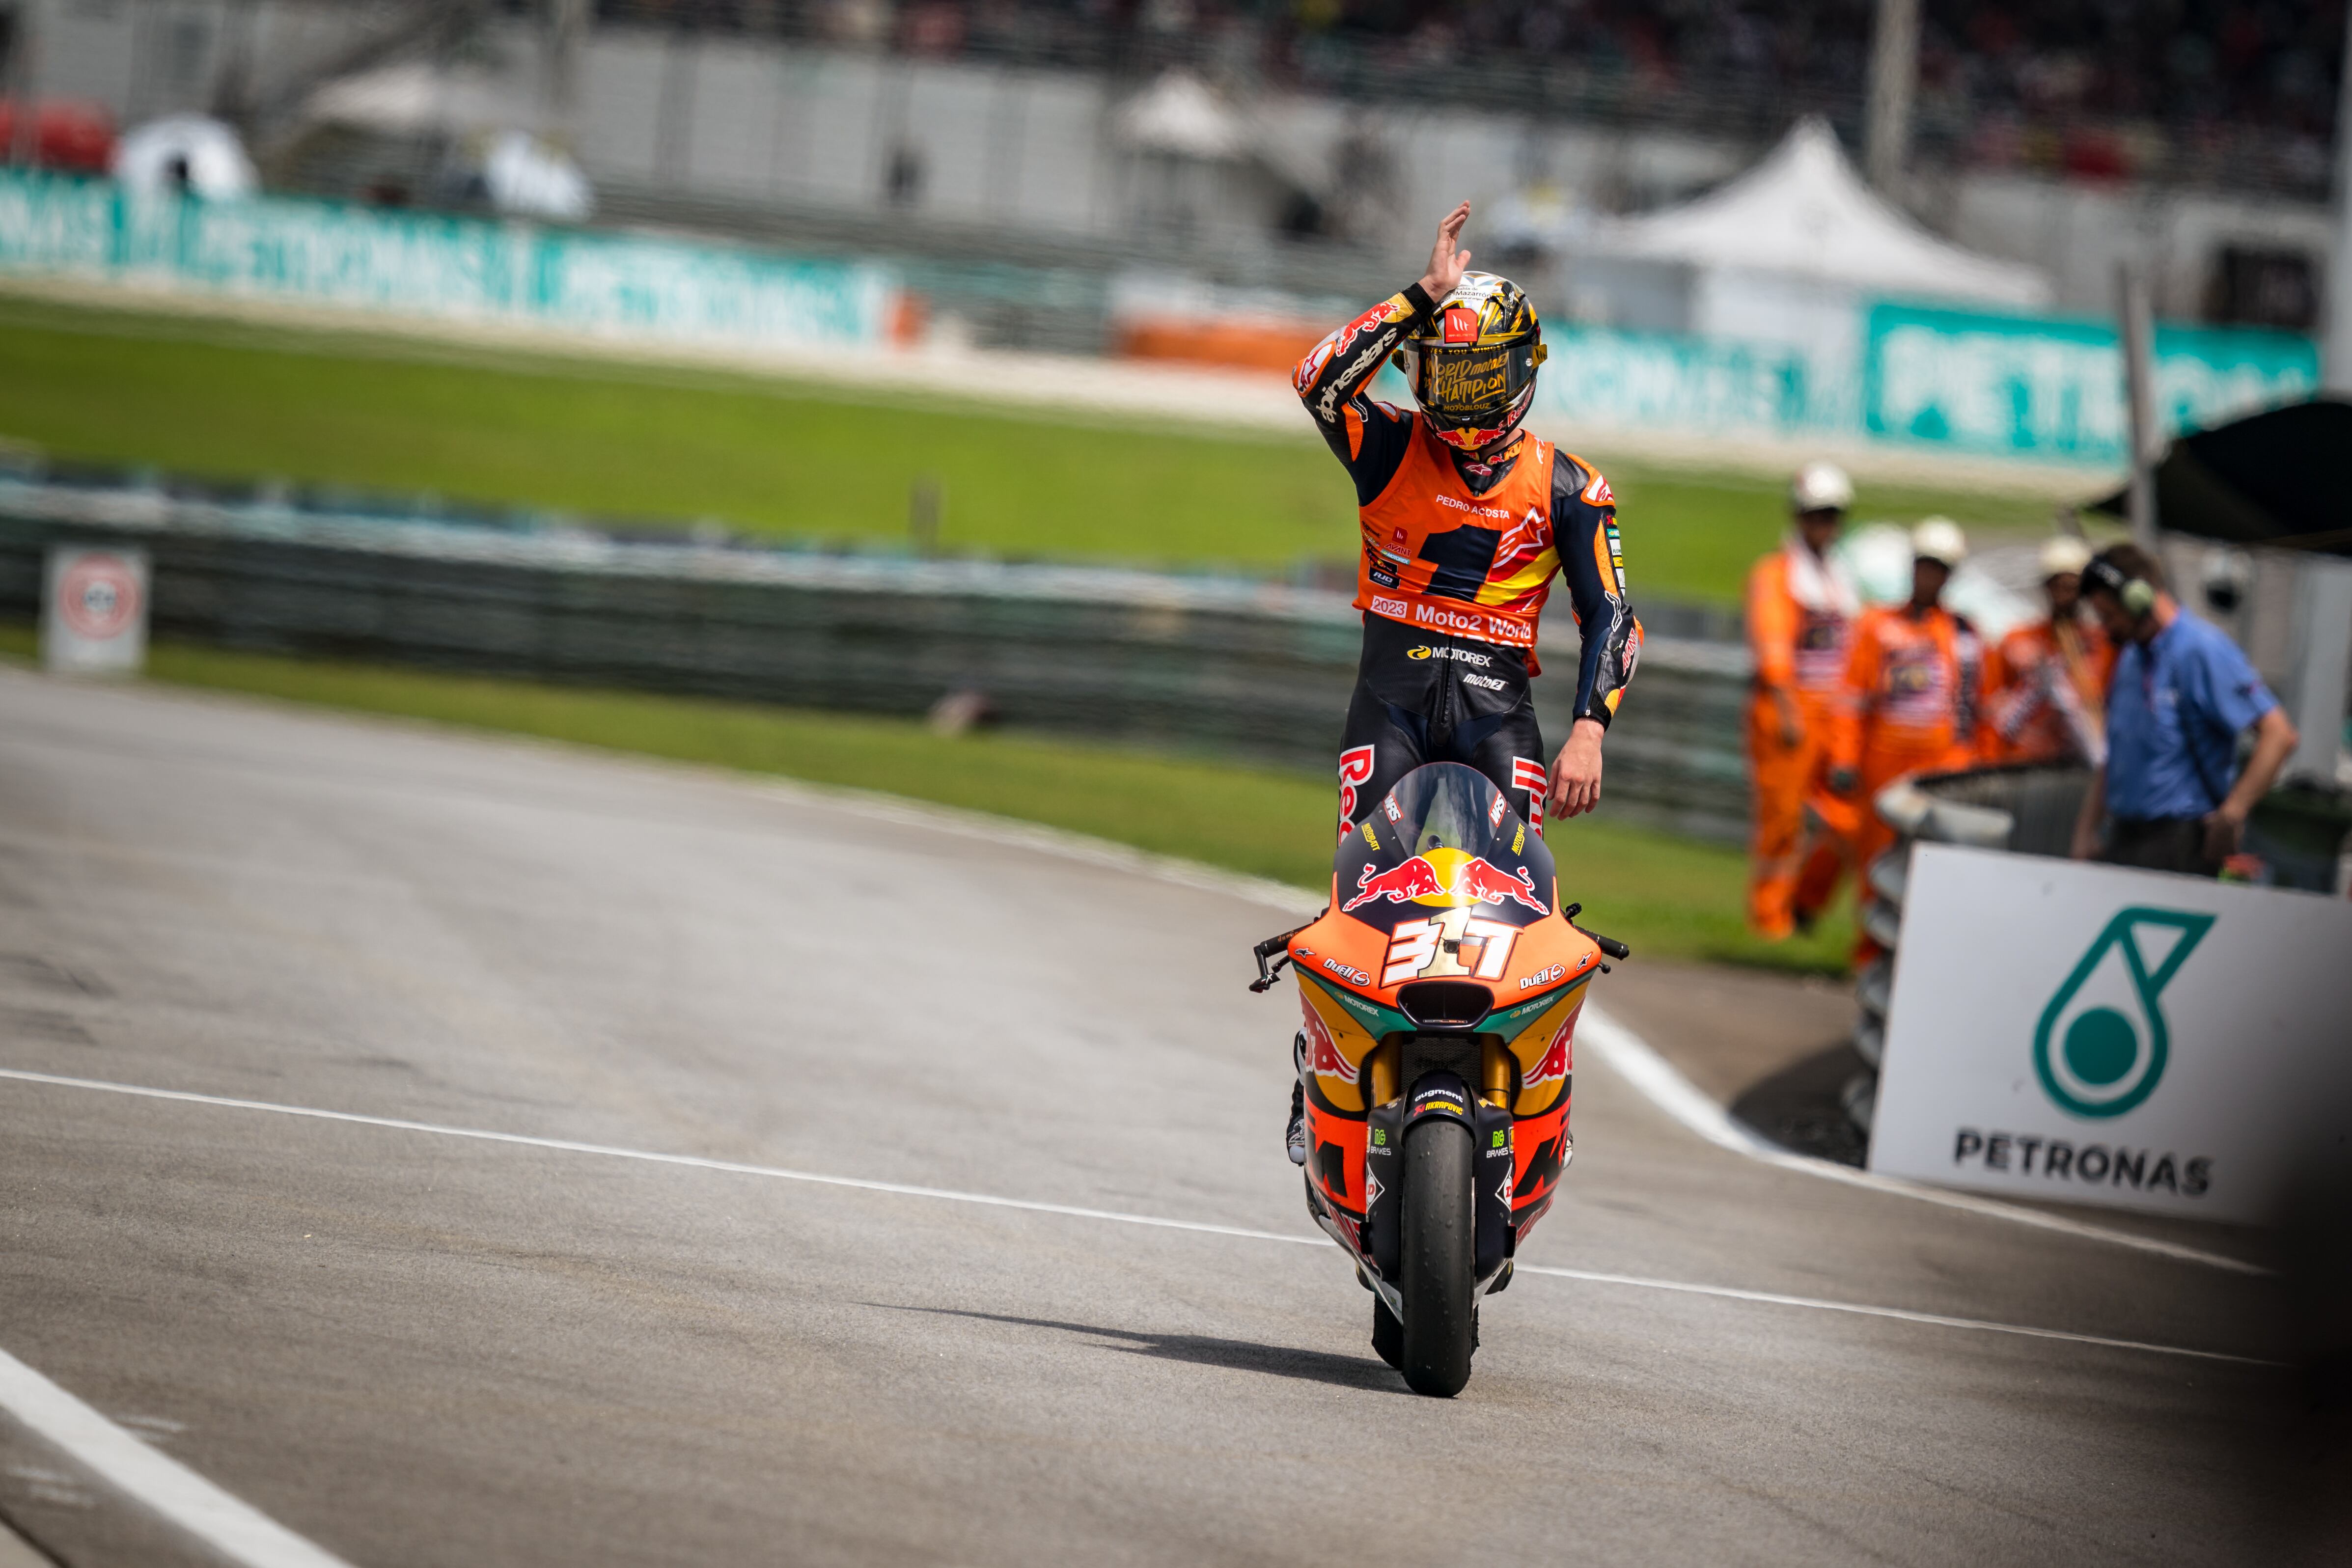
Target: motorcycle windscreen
(1445,838)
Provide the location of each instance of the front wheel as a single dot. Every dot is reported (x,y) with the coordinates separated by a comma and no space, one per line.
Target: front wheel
(1437,1246)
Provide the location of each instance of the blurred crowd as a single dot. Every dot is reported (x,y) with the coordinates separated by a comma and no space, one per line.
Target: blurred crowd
(2235,89)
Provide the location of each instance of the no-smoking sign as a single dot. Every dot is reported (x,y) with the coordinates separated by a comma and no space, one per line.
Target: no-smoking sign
(94,616)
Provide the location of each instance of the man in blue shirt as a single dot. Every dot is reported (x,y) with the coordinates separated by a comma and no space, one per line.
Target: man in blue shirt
(2182,694)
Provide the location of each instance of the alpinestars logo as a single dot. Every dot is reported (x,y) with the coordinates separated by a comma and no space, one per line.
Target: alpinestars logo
(2101,1046)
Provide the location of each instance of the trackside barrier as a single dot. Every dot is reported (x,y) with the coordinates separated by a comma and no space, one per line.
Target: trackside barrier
(2098,1034)
(1258,671)
(2029,810)
(1997,809)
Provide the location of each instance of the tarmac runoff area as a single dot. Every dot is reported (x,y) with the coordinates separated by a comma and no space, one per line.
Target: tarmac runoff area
(423,1148)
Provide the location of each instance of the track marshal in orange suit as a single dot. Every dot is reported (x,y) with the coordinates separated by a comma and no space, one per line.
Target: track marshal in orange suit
(1913,682)
(2046,681)
(1802,606)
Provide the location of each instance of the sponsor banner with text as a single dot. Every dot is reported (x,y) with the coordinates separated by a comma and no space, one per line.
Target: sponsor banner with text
(2092,1034)
(2054,387)
(313,252)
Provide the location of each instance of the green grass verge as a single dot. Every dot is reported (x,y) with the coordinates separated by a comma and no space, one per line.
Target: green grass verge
(223,400)
(1669,897)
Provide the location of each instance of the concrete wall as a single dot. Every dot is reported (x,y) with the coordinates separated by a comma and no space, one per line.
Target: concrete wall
(145,57)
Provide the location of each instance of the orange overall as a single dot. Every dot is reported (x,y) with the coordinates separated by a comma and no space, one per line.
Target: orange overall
(2030,715)
(1802,835)
(1909,707)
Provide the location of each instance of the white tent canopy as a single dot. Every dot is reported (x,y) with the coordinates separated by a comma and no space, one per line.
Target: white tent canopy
(1805,212)
(1177,114)
(526,177)
(188,152)
(411,97)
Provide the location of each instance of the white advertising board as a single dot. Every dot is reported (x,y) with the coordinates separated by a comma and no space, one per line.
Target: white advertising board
(2090,1034)
(94,611)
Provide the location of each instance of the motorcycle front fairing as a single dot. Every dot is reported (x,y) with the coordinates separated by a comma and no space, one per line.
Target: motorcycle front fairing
(1443,934)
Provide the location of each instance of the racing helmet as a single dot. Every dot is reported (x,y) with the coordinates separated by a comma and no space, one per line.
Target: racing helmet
(1472,367)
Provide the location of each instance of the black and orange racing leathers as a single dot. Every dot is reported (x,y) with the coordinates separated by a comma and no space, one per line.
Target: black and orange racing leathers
(1458,557)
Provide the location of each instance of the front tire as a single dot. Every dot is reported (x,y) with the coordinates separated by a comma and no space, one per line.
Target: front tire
(1439,1257)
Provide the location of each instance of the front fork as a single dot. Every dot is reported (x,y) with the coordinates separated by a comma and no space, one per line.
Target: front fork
(1488,1119)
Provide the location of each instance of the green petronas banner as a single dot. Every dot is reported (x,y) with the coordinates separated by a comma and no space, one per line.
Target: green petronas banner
(313,252)
(2052,387)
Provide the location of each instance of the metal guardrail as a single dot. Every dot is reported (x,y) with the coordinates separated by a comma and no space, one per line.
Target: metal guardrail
(1254,670)
(2027,810)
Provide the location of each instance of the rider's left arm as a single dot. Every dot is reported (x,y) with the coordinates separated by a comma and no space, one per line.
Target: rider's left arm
(1584,526)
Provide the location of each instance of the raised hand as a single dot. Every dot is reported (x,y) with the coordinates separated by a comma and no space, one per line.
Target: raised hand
(1447,263)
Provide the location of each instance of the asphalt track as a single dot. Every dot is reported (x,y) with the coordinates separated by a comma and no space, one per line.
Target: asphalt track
(409,1345)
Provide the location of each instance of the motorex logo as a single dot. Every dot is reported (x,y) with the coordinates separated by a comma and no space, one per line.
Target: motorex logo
(2101,1046)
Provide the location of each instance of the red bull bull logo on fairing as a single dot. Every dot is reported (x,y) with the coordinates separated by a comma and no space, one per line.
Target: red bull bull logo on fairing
(1423,880)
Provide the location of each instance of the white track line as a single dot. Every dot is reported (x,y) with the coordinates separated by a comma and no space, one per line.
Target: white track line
(1900,1314)
(1633,1058)
(1075,1211)
(614,1150)
(236,1529)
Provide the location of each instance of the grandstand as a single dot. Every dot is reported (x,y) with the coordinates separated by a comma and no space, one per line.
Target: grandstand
(1033,168)
(2213,92)
(987,147)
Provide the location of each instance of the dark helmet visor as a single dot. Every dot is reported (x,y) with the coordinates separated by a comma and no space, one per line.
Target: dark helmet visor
(1468,385)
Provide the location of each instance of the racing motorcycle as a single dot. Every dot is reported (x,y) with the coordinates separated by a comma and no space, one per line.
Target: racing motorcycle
(1440,990)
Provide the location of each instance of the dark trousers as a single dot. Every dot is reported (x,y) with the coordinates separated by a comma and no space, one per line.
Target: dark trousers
(1421,697)
(1383,742)
(2159,843)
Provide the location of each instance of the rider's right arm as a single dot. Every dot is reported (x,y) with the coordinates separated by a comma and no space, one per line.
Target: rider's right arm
(1370,438)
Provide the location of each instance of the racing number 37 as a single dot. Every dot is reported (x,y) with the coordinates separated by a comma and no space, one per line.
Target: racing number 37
(1425,949)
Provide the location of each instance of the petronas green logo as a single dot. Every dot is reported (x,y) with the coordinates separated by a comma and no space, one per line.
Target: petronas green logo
(2101,1046)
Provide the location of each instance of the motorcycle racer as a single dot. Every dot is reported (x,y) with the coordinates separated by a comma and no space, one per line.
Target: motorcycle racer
(1464,518)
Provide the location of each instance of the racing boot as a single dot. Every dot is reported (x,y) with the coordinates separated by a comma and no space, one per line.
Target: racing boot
(1295,1138)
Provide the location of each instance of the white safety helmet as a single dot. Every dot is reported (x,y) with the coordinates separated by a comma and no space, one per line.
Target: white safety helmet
(1820,488)
(1939,540)
(2064,556)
